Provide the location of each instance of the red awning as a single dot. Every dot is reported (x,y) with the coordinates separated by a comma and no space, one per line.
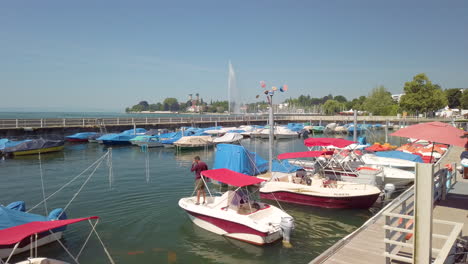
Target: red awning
(435,132)
(231,177)
(304,154)
(323,142)
(13,235)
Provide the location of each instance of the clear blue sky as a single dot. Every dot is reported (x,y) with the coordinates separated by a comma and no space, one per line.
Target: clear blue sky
(111,54)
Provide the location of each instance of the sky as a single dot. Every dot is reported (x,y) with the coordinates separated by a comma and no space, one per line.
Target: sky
(107,55)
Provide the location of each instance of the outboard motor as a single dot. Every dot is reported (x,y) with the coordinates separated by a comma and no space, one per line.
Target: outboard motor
(287,226)
(389,189)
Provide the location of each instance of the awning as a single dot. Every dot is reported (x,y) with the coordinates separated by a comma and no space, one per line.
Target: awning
(435,132)
(304,154)
(323,142)
(13,235)
(231,177)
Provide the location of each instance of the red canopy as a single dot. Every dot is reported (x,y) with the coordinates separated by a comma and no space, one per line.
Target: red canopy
(304,154)
(435,132)
(337,142)
(13,235)
(230,177)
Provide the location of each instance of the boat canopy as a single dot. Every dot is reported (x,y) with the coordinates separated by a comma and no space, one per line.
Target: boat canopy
(323,142)
(34,144)
(304,154)
(231,177)
(15,234)
(399,155)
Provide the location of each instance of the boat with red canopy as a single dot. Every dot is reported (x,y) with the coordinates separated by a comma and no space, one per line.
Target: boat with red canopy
(235,214)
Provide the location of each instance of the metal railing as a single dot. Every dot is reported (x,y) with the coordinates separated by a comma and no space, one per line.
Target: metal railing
(399,219)
(84,122)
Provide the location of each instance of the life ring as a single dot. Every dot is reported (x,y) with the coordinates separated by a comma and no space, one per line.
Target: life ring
(407,226)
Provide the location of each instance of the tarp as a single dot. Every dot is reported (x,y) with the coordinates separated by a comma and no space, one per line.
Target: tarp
(231,177)
(15,234)
(194,140)
(11,217)
(336,142)
(435,132)
(239,159)
(284,166)
(399,155)
(35,144)
(304,154)
(228,138)
(81,135)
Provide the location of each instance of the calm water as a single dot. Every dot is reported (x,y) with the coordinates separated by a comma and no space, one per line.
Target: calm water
(38,115)
(141,221)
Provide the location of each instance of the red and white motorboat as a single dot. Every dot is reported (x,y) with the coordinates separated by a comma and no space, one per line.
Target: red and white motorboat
(235,215)
(316,191)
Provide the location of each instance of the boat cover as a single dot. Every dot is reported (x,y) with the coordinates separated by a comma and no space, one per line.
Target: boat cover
(230,177)
(34,144)
(194,140)
(82,135)
(239,159)
(304,154)
(284,166)
(228,138)
(6,143)
(323,142)
(134,131)
(399,155)
(17,233)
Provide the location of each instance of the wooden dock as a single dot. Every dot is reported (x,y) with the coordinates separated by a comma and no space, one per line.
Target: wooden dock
(375,240)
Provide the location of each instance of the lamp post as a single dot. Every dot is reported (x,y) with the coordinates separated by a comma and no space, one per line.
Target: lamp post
(269,94)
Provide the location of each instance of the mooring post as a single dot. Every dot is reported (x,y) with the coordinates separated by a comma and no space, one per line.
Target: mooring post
(42,122)
(355,126)
(16,123)
(386,131)
(118,121)
(64,122)
(83,122)
(423,207)
(146,122)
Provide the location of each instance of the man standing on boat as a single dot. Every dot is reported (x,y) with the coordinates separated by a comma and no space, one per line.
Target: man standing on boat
(198,166)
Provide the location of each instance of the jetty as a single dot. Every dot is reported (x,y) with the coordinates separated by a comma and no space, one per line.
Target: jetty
(19,127)
(395,235)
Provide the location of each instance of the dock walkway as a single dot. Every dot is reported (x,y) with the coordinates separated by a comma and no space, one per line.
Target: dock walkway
(367,244)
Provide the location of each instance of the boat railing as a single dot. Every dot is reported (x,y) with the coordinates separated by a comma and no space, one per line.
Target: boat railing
(399,218)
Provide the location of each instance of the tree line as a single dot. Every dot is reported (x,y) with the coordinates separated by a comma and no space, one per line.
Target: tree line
(420,96)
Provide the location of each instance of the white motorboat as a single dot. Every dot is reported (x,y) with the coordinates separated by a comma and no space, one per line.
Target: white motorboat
(229,138)
(192,142)
(372,159)
(235,215)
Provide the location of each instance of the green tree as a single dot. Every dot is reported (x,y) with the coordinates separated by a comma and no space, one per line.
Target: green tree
(464,99)
(453,97)
(421,95)
(340,98)
(144,105)
(170,101)
(356,103)
(380,102)
(332,107)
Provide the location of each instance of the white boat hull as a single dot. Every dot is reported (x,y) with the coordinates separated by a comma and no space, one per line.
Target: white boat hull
(5,252)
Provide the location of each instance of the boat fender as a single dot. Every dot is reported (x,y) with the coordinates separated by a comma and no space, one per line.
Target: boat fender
(389,189)
(18,205)
(287,226)
(58,214)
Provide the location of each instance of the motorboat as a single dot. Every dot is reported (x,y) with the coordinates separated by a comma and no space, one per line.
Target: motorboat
(320,192)
(80,137)
(229,138)
(121,138)
(285,133)
(14,217)
(194,142)
(33,146)
(388,159)
(148,141)
(236,215)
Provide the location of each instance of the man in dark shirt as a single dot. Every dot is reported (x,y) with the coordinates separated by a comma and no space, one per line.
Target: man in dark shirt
(198,166)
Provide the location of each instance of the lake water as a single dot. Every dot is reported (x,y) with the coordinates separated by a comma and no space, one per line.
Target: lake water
(141,221)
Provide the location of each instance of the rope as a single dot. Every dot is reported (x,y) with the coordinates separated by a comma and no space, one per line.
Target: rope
(109,164)
(103,246)
(147,170)
(87,239)
(63,246)
(68,183)
(42,183)
(79,190)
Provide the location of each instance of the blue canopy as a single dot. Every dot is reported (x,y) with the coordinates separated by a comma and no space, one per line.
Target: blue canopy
(399,155)
(284,166)
(239,159)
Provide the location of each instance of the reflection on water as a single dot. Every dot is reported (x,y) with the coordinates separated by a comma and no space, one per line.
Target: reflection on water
(140,218)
